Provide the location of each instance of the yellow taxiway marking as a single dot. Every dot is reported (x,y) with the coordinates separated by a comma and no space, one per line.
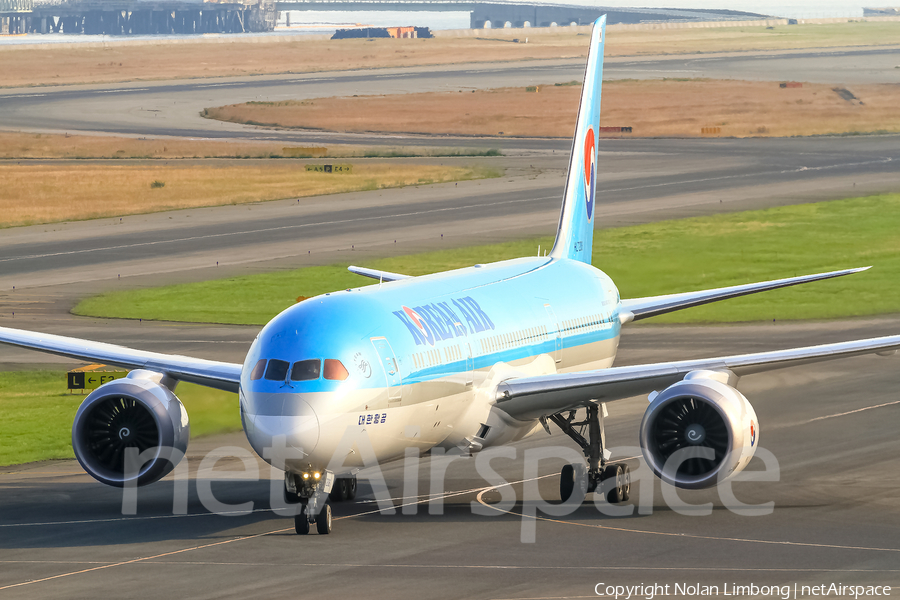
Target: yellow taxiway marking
(850,412)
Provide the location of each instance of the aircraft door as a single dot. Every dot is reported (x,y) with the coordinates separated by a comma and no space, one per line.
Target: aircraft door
(554,326)
(391,368)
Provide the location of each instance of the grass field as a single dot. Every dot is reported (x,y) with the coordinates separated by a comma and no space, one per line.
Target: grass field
(37,413)
(659,258)
(233,56)
(18,145)
(653,108)
(64,192)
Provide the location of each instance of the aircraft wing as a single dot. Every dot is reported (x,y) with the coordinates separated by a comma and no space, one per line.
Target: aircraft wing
(642,308)
(376,274)
(528,398)
(219,375)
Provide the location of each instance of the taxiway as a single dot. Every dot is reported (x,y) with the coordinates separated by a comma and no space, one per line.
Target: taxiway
(835,516)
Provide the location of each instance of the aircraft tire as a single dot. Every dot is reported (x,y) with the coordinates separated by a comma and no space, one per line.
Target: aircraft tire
(613,475)
(301,522)
(340,491)
(323,520)
(566,482)
(351,488)
(626,483)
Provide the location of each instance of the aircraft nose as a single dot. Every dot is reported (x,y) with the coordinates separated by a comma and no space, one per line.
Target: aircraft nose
(276,422)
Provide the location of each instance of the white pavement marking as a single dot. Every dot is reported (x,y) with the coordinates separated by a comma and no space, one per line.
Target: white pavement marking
(850,412)
(149,518)
(684,535)
(465,566)
(142,559)
(237,539)
(761,174)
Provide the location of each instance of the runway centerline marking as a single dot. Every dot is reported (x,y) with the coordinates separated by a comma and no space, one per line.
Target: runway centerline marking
(270,229)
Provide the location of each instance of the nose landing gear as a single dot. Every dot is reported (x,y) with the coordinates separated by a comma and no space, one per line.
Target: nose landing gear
(312,493)
(304,519)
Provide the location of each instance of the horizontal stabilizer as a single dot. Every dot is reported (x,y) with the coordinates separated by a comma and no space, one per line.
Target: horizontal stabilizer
(376,274)
(642,308)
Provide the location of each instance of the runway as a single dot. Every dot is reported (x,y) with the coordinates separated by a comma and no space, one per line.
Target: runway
(639,181)
(835,516)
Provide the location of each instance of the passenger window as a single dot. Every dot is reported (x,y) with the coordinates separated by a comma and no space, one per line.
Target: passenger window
(258,370)
(306,370)
(335,370)
(277,370)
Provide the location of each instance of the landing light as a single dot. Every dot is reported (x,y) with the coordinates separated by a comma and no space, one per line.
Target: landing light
(306,476)
(317,475)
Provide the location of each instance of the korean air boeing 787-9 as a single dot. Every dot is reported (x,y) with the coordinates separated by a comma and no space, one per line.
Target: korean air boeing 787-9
(468,359)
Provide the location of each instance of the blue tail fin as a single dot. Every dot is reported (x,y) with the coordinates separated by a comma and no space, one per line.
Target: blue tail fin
(576,223)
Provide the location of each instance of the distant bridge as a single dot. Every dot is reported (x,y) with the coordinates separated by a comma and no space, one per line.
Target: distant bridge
(128,17)
(498,14)
(137,17)
(9,7)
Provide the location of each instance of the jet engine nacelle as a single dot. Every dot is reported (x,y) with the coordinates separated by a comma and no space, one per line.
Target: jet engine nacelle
(135,412)
(699,431)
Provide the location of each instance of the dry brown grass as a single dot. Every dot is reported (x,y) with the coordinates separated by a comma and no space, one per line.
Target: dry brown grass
(17,145)
(50,193)
(254,56)
(36,145)
(21,67)
(652,108)
(636,42)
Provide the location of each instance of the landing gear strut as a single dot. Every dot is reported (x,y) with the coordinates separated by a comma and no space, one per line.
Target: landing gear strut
(614,480)
(312,492)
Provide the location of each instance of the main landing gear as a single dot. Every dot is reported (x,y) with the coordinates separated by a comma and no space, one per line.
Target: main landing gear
(614,480)
(312,491)
(344,489)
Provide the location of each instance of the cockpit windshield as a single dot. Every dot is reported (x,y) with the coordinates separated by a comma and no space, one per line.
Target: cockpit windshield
(306,370)
(335,370)
(277,370)
(258,370)
(302,370)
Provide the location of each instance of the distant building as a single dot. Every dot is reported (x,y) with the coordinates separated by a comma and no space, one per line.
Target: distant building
(382,32)
(881,12)
(401,32)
